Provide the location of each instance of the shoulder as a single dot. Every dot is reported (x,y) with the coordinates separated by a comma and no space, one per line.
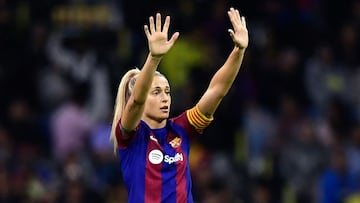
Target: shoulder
(124,139)
(183,122)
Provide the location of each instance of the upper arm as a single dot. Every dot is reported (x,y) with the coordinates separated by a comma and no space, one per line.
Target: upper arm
(131,116)
(134,107)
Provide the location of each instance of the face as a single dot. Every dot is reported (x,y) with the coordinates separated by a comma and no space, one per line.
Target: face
(157,106)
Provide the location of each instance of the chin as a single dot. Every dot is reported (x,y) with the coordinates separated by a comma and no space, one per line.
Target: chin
(164,117)
(160,119)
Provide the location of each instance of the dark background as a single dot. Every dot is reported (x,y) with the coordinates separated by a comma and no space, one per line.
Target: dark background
(288,130)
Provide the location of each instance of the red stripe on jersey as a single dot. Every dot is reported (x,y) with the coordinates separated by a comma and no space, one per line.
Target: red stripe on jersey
(181,191)
(153,180)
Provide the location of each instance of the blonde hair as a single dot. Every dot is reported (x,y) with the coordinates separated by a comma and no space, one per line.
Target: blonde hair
(124,92)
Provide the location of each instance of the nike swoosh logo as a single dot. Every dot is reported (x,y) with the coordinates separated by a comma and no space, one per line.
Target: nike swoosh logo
(153,138)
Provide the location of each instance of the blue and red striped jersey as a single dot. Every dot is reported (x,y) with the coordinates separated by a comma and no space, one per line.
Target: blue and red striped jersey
(155,162)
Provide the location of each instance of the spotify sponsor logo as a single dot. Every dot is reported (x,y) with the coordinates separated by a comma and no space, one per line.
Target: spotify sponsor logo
(156,156)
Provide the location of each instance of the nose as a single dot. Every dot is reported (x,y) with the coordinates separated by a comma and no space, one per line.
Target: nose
(165,97)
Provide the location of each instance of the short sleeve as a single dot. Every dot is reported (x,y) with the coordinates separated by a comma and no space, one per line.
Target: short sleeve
(124,137)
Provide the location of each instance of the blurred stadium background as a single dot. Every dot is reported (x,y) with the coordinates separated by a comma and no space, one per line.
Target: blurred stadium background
(288,131)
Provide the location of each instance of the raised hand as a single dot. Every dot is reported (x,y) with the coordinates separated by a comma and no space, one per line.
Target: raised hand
(157,37)
(239,33)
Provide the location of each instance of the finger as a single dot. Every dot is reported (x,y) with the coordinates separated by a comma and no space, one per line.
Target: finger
(147,32)
(232,35)
(232,17)
(243,21)
(166,24)
(173,38)
(231,32)
(238,18)
(158,22)
(151,23)
(235,16)
(230,13)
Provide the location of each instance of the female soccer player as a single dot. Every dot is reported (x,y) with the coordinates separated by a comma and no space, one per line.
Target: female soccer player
(153,148)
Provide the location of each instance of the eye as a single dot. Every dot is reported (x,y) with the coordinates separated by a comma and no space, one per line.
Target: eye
(155,92)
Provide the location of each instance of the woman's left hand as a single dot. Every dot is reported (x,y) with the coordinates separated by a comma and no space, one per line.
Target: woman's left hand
(239,33)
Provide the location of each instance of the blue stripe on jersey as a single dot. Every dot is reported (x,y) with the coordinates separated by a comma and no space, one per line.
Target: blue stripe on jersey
(133,168)
(169,183)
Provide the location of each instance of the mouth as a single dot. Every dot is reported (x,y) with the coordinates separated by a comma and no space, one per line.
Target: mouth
(165,109)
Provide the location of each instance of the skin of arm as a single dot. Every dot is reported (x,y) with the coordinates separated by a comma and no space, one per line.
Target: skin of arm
(159,45)
(225,76)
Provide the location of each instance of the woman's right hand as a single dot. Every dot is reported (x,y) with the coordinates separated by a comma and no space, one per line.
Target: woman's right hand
(158,41)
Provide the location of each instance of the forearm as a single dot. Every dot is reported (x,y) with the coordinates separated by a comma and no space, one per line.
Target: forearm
(221,83)
(225,76)
(145,78)
(135,106)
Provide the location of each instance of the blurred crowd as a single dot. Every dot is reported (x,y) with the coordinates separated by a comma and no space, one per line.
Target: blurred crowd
(287,132)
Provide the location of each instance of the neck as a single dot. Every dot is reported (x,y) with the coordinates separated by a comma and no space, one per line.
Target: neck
(154,123)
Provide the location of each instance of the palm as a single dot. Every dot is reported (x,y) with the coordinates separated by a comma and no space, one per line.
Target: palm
(158,43)
(239,34)
(157,37)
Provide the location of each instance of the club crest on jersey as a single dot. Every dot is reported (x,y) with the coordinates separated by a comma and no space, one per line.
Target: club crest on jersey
(176,142)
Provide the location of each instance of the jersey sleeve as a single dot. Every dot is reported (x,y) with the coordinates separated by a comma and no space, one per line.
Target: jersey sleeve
(124,138)
(197,119)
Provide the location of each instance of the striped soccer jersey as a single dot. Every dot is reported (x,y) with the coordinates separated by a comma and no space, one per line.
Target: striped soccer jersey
(155,162)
